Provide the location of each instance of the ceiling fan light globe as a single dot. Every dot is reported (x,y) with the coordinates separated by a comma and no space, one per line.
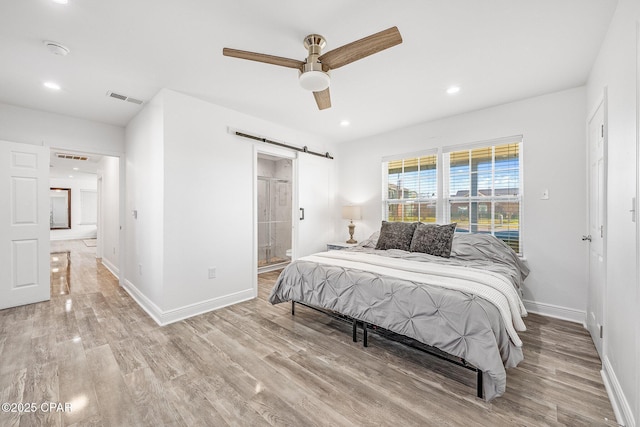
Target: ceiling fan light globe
(314,81)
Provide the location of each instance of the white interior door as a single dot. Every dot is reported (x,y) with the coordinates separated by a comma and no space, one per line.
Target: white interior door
(597,220)
(315,200)
(24,224)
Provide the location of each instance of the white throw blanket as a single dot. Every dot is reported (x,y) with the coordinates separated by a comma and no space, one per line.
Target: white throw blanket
(488,285)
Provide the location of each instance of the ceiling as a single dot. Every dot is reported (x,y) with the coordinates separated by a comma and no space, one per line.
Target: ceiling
(496,50)
(72,164)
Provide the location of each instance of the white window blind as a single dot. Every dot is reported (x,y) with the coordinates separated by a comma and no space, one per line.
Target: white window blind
(411,189)
(88,207)
(480,188)
(483,192)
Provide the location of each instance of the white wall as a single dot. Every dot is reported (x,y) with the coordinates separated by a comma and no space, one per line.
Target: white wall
(145,195)
(109,217)
(55,130)
(553,127)
(615,69)
(77,230)
(196,180)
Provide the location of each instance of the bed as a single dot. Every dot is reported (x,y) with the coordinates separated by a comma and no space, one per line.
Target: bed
(459,293)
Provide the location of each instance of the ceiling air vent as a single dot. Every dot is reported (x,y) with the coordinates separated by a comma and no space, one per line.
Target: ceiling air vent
(124,98)
(71,156)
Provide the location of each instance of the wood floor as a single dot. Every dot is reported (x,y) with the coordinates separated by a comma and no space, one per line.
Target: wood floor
(255,364)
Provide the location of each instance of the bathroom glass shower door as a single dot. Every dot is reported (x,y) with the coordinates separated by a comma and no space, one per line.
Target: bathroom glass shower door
(274,222)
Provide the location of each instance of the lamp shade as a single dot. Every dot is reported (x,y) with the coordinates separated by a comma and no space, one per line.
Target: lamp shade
(351,212)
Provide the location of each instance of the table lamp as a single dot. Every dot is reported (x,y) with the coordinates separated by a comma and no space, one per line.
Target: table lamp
(351,213)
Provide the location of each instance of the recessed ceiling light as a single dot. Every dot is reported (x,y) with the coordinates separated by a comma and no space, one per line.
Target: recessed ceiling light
(61,1)
(52,85)
(453,89)
(345,123)
(70,176)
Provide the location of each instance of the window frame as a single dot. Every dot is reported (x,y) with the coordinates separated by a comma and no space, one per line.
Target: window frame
(386,201)
(443,199)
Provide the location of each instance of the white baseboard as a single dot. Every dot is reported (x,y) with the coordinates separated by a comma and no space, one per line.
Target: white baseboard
(620,404)
(556,311)
(112,268)
(174,315)
(72,235)
(145,303)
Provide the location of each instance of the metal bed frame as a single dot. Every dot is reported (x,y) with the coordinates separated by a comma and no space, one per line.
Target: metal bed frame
(433,351)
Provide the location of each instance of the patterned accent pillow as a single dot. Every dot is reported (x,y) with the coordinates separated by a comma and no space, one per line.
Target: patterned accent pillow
(433,239)
(396,235)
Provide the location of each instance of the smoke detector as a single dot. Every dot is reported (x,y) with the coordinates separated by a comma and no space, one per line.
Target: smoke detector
(56,48)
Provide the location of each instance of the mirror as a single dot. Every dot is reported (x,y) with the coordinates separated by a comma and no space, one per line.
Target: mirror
(60,208)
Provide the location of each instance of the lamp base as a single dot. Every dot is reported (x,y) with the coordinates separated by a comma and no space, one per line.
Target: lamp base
(352,228)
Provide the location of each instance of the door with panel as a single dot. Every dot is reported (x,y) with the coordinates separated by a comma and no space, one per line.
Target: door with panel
(597,221)
(24,224)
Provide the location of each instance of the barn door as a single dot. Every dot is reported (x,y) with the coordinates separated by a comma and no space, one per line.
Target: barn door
(315,199)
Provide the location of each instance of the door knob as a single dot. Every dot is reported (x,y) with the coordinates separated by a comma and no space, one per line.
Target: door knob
(586,237)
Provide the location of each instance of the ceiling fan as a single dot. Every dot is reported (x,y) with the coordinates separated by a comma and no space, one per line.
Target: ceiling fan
(314,71)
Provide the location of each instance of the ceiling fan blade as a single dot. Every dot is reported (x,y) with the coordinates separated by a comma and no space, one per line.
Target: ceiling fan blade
(362,48)
(261,57)
(323,99)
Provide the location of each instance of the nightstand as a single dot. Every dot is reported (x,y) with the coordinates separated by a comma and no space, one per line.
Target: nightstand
(337,246)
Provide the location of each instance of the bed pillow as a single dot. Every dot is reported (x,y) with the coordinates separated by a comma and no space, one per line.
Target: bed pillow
(396,235)
(372,241)
(433,239)
(482,247)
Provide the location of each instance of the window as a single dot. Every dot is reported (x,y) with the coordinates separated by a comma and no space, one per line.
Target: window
(411,187)
(483,191)
(480,189)
(88,207)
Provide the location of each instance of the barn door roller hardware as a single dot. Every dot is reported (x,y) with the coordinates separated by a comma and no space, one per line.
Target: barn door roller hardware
(281,144)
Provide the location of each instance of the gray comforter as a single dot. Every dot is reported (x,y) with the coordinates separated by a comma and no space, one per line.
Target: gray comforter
(459,323)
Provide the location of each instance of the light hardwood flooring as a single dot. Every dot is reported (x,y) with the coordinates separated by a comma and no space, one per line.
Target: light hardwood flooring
(255,364)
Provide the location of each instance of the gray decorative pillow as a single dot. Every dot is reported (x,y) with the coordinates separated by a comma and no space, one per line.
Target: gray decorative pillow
(433,239)
(396,235)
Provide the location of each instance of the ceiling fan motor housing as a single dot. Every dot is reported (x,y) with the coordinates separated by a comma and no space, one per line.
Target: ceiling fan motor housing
(313,77)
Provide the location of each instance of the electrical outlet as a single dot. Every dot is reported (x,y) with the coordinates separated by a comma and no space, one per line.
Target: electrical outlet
(212,272)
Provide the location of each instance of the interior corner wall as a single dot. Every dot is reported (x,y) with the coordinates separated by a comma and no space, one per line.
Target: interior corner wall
(615,70)
(77,230)
(144,207)
(209,182)
(553,127)
(109,173)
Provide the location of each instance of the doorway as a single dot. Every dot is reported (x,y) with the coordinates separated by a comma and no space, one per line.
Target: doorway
(94,181)
(274,212)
